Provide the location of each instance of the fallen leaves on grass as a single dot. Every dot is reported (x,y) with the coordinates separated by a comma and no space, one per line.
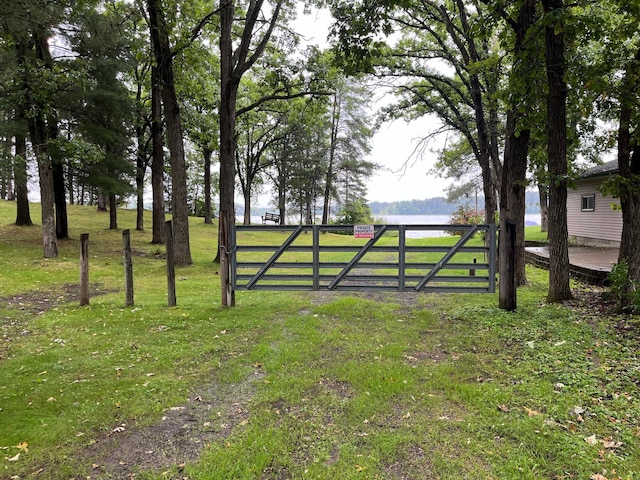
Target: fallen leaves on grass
(530,412)
(591,439)
(23,447)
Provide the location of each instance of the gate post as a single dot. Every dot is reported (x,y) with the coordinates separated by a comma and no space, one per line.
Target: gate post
(232,265)
(492,257)
(402,249)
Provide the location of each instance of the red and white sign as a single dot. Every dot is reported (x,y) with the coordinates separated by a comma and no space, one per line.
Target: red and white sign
(363,231)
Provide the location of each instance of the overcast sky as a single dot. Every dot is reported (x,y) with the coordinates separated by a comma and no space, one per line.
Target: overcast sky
(401,176)
(404,175)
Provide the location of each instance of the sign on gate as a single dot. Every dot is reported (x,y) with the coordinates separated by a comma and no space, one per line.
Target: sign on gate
(363,231)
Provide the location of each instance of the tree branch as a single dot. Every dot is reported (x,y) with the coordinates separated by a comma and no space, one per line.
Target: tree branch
(268,98)
(195,32)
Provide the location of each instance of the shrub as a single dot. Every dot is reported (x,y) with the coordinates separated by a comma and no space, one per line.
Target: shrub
(626,290)
(465,216)
(353,213)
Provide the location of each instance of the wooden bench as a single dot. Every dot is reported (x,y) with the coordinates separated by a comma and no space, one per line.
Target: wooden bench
(271,217)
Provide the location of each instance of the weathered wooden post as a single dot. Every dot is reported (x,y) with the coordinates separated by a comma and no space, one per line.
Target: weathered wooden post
(128,267)
(84,269)
(171,273)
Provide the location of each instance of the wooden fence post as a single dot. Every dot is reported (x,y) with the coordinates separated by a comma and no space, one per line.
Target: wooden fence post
(84,269)
(128,267)
(171,274)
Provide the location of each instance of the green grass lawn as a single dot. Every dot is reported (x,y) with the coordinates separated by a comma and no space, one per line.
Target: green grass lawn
(297,385)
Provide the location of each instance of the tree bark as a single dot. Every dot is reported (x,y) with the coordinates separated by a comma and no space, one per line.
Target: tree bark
(59,188)
(207,186)
(38,135)
(511,263)
(335,122)
(512,208)
(544,207)
(23,213)
(70,187)
(246,195)
(229,91)
(47,196)
(141,167)
(559,289)
(102,201)
(629,187)
(282,185)
(157,163)
(113,212)
(232,66)
(60,195)
(171,108)
(6,170)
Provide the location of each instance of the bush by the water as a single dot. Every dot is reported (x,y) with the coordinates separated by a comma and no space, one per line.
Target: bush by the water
(465,216)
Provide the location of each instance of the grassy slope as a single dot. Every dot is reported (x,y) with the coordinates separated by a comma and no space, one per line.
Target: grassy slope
(301,385)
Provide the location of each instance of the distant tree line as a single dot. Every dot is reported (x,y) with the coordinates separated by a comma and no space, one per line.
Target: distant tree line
(441,206)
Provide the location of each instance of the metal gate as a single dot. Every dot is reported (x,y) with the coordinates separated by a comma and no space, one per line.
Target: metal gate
(328,257)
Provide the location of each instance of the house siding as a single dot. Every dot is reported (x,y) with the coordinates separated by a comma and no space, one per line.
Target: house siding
(602,226)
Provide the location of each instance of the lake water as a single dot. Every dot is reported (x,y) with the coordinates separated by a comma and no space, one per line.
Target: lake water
(530,219)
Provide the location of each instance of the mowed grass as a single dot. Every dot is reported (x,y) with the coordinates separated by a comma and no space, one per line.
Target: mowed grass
(297,385)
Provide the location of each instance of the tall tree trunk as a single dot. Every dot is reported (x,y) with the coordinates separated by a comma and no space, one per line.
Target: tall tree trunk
(229,83)
(141,167)
(23,214)
(102,200)
(335,122)
(139,205)
(232,67)
(57,164)
(511,263)
(38,135)
(512,208)
(171,108)
(59,184)
(70,185)
(207,186)
(157,162)
(282,186)
(6,171)
(544,207)
(246,195)
(559,289)
(45,174)
(60,195)
(629,186)
(113,212)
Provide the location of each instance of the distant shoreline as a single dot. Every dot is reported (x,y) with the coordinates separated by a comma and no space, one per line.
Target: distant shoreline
(440,206)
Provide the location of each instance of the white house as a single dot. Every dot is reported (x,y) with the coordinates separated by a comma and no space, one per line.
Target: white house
(594,219)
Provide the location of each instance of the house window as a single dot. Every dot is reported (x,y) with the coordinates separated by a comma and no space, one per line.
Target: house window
(588,203)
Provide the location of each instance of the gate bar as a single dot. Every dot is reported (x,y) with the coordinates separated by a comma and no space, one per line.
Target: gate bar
(363,251)
(447,257)
(275,256)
